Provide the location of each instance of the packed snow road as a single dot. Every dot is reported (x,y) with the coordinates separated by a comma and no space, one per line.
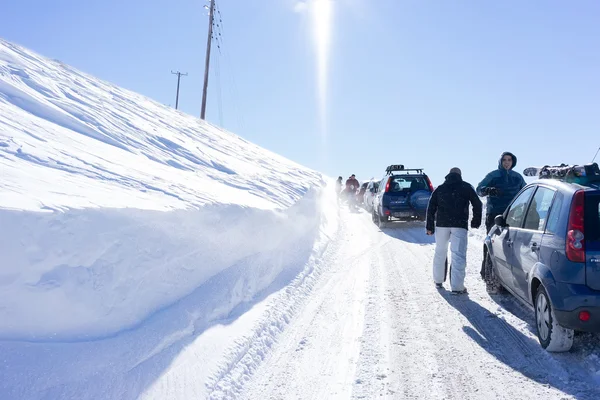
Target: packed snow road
(376,327)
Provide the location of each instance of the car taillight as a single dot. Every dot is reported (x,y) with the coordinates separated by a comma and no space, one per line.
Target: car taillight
(575,248)
(387,185)
(429,183)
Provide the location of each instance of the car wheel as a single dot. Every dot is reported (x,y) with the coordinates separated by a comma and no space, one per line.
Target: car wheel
(492,283)
(551,335)
(381,222)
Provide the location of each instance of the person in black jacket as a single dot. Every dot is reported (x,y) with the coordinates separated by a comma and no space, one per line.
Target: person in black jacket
(448,218)
(351,186)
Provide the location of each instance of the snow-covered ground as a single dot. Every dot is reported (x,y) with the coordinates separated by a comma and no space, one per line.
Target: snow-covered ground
(114,162)
(146,254)
(376,327)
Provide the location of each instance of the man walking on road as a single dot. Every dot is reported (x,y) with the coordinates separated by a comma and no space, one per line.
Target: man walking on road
(448,217)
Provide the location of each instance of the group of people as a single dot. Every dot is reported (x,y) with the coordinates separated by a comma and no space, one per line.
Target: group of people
(348,191)
(448,215)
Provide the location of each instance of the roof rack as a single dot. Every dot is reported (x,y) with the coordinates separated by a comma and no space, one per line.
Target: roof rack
(580,174)
(400,167)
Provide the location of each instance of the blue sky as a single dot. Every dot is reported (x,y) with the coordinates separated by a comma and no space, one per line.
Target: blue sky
(431,84)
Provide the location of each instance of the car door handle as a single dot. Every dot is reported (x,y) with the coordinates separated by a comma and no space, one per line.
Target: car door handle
(535,247)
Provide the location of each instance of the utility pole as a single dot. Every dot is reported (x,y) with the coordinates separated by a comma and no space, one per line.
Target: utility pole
(209,41)
(179,75)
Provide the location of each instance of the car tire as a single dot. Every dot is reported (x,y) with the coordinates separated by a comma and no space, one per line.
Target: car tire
(492,283)
(552,336)
(378,220)
(381,222)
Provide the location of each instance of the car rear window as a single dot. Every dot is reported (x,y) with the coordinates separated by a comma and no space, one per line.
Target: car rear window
(592,217)
(408,184)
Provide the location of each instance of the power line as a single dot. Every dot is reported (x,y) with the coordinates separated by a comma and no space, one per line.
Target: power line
(179,75)
(596,154)
(219,94)
(233,90)
(217,29)
(217,36)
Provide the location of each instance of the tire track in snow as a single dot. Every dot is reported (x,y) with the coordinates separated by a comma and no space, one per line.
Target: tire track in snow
(466,369)
(373,364)
(317,355)
(329,321)
(479,354)
(249,352)
(414,357)
(376,327)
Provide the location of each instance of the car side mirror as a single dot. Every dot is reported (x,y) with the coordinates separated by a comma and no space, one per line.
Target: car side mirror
(500,221)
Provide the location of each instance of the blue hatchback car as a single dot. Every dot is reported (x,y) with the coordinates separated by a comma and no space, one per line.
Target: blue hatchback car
(545,250)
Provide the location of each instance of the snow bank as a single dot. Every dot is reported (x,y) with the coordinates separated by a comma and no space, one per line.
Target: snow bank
(173,346)
(91,273)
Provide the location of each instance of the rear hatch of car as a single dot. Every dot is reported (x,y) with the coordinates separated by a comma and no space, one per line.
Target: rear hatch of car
(407,195)
(592,238)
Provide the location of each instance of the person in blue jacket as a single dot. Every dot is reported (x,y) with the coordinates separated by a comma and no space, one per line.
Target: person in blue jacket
(500,186)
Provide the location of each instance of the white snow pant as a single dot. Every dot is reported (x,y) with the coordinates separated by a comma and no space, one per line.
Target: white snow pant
(458,238)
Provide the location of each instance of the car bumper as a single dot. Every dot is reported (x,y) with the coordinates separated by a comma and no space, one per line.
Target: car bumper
(575,299)
(570,319)
(403,213)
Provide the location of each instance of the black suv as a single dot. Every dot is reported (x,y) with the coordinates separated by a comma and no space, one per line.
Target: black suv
(402,195)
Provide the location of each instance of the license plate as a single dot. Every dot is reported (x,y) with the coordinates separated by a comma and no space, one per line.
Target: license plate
(401,214)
